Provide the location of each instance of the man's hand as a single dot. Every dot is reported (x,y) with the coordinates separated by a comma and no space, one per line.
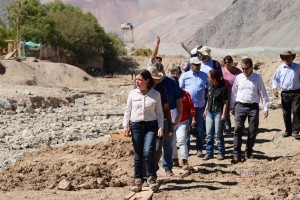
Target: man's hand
(170,127)
(126,131)
(266,114)
(157,40)
(160,132)
(232,111)
(276,93)
(177,120)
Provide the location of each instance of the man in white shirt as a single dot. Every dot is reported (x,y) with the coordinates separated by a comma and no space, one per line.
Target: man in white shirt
(247,91)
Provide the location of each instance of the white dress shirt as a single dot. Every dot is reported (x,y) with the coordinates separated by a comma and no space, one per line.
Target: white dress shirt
(141,107)
(249,89)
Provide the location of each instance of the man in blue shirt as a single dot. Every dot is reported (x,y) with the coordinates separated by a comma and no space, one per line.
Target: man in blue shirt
(194,82)
(287,77)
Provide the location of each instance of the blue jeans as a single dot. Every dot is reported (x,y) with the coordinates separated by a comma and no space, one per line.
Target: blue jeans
(200,122)
(144,136)
(213,122)
(167,160)
(181,132)
(199,119)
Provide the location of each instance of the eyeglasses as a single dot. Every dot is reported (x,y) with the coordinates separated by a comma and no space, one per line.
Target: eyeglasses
(246,68)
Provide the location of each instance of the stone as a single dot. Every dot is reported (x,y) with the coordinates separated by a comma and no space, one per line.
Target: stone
(80,101)
(29,110)
(64,185)
(4,103)
(20,109)
(27,133)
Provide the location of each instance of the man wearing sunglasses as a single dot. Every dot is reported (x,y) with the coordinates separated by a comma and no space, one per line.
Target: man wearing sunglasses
(287,77)
(247,91)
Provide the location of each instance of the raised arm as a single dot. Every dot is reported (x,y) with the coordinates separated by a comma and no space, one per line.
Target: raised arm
(155,50)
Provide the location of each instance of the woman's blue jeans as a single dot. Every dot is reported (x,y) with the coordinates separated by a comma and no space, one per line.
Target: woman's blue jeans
(213,119)
(144,136)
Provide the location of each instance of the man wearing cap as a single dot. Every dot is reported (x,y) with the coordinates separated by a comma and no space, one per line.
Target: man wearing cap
(194,82)
(154,56)
(194,53)
(175,104)
(287,77)
(207,62)
(166,110)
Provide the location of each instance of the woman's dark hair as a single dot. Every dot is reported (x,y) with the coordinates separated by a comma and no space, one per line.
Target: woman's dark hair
(217,75)
(247,61)
(228,58)
(147,76)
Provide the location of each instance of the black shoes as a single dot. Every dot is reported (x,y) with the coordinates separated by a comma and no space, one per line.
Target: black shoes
(286,134)
(175,162)
(295,133)
(236,159)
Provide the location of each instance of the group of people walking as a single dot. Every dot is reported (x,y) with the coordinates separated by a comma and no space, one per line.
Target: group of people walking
(161,110)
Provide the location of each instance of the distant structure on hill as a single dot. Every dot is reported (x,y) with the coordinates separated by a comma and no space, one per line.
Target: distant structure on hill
(127,32)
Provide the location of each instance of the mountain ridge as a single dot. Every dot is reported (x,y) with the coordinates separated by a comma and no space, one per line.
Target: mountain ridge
(252,23)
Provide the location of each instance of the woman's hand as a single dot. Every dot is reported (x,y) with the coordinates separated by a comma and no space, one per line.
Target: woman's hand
(126,131)
(160,132)
(223,116)
(204,114)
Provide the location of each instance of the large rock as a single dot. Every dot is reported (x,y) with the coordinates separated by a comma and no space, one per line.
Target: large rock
(4,103)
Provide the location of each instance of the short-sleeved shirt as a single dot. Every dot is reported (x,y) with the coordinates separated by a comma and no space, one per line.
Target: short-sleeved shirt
(163,93)
(173,91)
(194,83)
(229,78)
(216,97)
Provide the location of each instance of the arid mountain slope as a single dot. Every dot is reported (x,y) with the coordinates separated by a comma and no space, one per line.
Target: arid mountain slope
(270,23)
(174,21)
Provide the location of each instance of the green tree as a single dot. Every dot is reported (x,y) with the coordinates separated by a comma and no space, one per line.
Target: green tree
(78,34)
(2,34)
(81,36)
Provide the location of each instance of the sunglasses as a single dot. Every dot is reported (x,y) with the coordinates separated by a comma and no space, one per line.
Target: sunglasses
(227,63)
(246,68)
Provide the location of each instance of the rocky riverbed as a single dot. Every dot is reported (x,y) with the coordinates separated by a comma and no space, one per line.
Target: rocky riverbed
(32,121)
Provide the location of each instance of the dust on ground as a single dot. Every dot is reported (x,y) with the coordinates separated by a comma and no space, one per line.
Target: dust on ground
(103,170)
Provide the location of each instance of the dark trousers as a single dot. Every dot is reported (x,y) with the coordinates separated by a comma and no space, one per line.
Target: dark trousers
(243,111)
(144,136)
(290,101)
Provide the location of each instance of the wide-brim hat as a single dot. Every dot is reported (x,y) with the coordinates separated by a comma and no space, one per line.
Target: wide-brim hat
(154,72)
(287,53)
(205,51)
(195,60)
